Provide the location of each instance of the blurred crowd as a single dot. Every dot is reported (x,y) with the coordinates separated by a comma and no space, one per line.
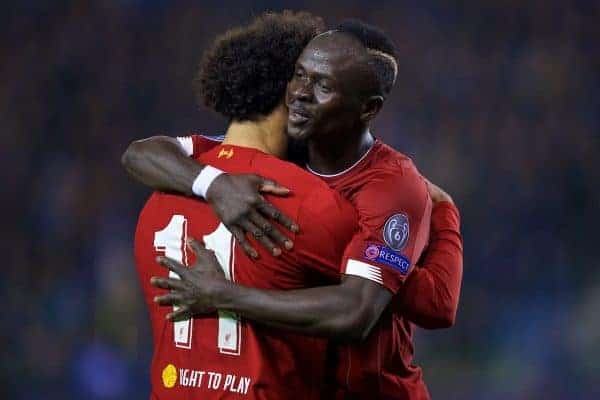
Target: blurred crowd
(498,102)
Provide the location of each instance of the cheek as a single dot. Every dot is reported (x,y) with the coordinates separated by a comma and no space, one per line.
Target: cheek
(325,99)
(329,104)
(333,110)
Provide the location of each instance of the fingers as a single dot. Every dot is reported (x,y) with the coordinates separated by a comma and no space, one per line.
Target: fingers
(272,187)
(182,312)
(169,299)
(167,283)
(272,212)
(199,249)
(171,264)
(240,237)
(267,231)
(271,231)
(260,236)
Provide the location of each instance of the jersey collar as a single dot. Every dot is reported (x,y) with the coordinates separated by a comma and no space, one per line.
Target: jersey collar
(347,169)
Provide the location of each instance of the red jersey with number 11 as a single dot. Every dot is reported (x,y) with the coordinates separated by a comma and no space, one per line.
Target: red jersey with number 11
(221,355)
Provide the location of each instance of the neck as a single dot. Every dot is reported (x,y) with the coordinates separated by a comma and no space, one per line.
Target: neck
(332,157)
(266,134)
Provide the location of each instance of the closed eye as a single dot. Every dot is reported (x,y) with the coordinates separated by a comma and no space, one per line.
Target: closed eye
(324,87)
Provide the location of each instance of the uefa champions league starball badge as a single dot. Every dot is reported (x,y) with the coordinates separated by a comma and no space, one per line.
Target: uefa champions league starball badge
(396,231)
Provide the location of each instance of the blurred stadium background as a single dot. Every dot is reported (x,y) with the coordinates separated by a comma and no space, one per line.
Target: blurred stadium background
(497,102)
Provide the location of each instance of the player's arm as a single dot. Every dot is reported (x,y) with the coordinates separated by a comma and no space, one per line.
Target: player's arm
(394,221)
(431,293)
(346,311)
(165,164)
(162,163)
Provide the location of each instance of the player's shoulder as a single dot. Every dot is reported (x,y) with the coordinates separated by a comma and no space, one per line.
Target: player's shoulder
(212,139)
(393,178)
(391,170)
(316,198)
(326,219)
(303,183)
(195,144)
(389,162)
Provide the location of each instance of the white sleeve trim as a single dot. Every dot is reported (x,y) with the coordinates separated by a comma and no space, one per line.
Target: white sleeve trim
(187,144)
(364,270)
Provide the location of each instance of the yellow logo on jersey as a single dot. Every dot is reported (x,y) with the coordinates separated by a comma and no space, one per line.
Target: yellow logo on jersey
(169,376)
(225,153)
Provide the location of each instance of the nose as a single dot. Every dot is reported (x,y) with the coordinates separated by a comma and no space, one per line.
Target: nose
(301,90)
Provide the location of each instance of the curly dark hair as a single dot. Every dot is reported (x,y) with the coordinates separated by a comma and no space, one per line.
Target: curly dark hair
(243,75)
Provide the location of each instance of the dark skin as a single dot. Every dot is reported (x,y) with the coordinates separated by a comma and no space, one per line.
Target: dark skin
(160,163)
(332,98)
(331,101)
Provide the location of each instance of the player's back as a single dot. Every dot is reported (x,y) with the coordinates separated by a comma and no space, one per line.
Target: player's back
(221,356)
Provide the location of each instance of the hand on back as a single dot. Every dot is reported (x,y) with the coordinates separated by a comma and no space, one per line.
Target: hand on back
(238,203)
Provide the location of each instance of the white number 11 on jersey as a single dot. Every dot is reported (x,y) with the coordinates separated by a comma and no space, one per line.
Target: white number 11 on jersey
(171,241)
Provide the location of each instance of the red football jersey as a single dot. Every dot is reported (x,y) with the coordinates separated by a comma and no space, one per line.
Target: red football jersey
(394,219)
(394,211)
(221,355)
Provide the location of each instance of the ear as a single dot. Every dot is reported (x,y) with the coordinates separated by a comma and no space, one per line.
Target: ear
(370,108)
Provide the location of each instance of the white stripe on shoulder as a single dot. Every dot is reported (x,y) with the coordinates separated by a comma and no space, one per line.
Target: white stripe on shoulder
(364,270)
(187,144)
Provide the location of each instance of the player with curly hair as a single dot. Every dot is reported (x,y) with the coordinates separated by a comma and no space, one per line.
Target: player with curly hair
(245,71)
(243,76)
(220,355)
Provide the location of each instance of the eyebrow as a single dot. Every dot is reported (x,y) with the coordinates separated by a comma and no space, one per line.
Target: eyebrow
(318,74)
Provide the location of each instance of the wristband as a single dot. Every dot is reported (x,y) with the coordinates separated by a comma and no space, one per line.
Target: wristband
(206,176)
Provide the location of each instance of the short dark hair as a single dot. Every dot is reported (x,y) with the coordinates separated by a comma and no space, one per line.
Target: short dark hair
(245,72)
(382,52)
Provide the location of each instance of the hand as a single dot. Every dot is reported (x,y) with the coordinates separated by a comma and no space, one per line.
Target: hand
(195,291)
(238,204)
(437,194)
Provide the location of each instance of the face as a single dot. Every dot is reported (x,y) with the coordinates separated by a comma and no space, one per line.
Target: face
(324,97)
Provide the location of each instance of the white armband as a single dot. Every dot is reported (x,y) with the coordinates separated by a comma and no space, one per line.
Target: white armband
(204,179)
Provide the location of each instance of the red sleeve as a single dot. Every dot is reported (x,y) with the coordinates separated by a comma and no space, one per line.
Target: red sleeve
(430,294)
(394,211)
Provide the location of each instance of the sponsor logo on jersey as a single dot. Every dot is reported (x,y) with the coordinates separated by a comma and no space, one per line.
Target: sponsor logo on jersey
(388,256)
(169,376)
(225,153)
(208,380)
(396,231)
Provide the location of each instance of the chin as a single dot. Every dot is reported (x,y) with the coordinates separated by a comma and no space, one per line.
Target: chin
(297,132)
